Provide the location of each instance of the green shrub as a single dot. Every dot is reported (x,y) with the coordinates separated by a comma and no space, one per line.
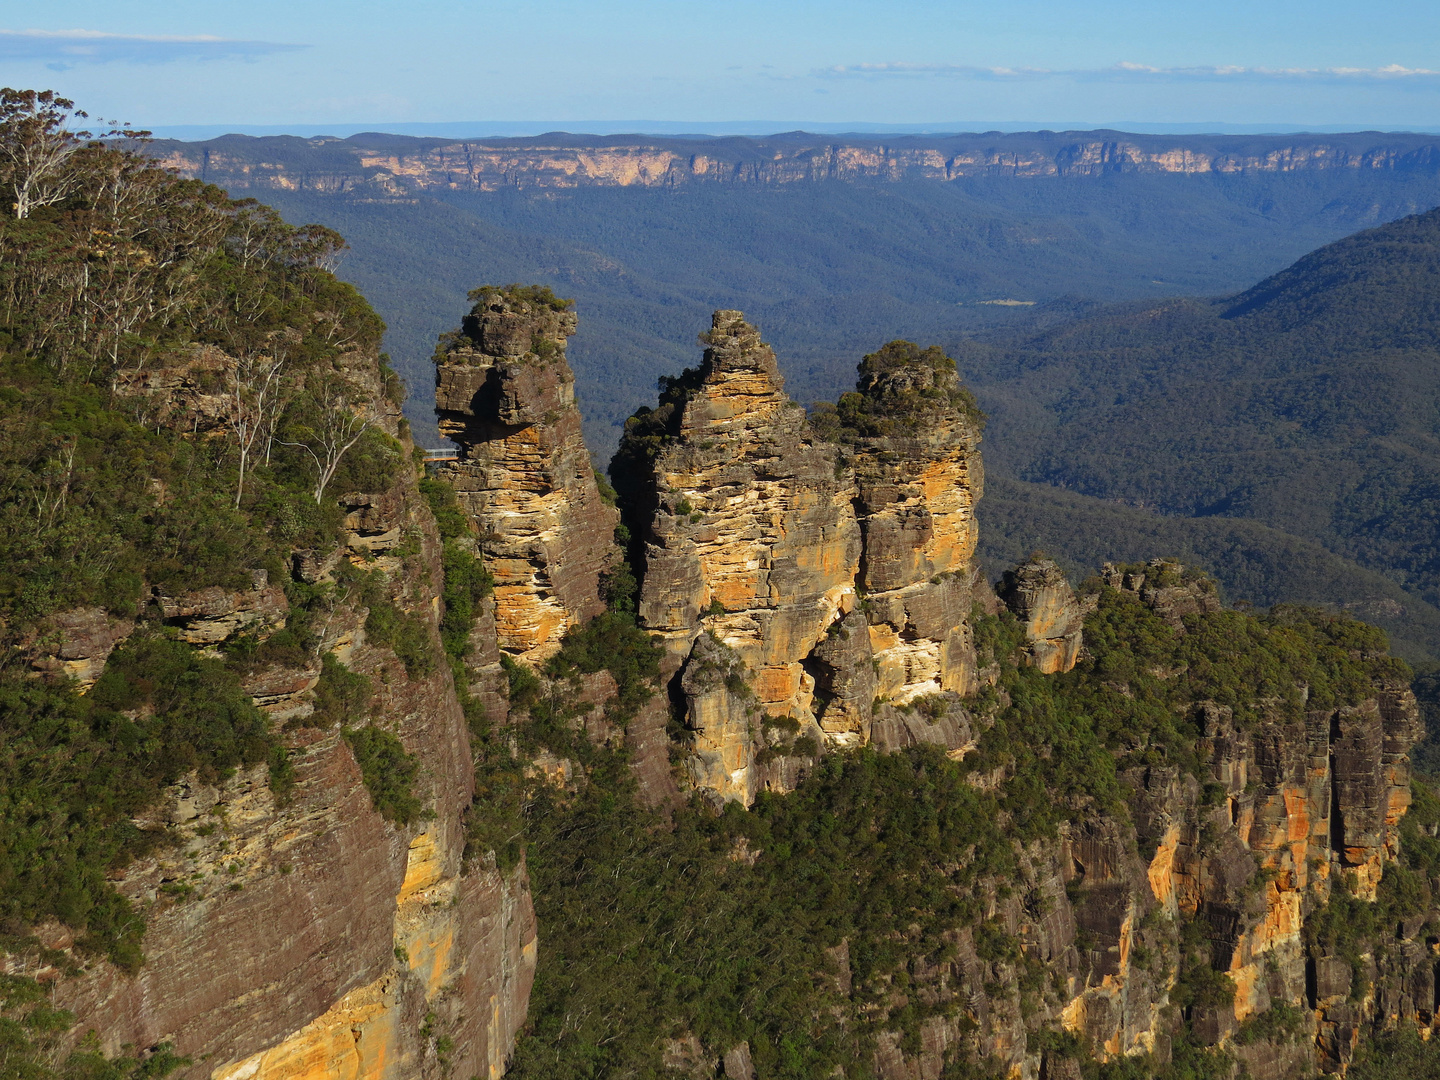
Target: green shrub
(282,775)
(74,771)
(1392,1055)
(467,582)
(539,295)
(33,1032)
(1282,1022)
(192,713)
(342,696)
(901,388)
(613,642)
(389,773)
(452,521)
(407,636)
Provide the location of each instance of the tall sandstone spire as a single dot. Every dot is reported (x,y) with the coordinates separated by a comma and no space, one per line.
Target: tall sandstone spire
(761,534)
(506,395)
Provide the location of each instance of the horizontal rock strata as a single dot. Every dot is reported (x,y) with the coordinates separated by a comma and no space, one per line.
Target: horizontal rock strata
(506,395)
(405,167)
(310,936)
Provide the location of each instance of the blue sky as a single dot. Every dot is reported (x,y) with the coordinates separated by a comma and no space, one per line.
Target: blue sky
(318,62)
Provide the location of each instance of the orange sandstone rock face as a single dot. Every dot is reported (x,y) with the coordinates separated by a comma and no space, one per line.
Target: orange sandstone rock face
(507,396)
(1290,806)
(1043,601)
(918,475)
(750,555)
(759,536)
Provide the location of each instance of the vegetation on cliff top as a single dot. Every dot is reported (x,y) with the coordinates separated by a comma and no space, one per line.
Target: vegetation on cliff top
(33,1033)
(183,381)
(903,391)
(538,295)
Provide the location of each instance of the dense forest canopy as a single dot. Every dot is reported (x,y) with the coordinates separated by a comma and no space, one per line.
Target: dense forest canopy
(1307,404)
(830,270)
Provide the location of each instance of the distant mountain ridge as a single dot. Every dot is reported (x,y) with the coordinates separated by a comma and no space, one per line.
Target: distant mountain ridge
(1309,403)
(400,165)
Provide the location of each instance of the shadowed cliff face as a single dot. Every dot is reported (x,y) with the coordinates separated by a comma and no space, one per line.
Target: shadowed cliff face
(1294,812)
(308,936)
(1125,919)
(507,396)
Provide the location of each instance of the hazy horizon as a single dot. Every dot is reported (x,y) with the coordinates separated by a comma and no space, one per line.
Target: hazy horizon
(483,129)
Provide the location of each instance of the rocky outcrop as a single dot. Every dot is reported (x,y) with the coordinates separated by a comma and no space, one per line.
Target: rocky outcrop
(801,578)
(1038,594)
(1291,810)
(210,616)
(750,550)
(812,580)
(506,395)
(914,448)
(75,644)
(1170,589)
(1073,942)
(1286,811)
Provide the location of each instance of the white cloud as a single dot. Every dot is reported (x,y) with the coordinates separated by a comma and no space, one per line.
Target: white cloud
(1126,71)
(61,49)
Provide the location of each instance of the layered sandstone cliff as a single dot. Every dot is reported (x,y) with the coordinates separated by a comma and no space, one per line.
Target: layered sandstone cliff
(506,395)
(306,935)
(814,587)
(397,167)
(801,580)
(1285,816)
(750,550)
(913,440)
(813,582)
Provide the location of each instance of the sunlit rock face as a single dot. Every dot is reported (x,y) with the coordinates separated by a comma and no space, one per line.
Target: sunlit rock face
(833,570)
(506,395)
(1040,597)
(915,436)
(748,538)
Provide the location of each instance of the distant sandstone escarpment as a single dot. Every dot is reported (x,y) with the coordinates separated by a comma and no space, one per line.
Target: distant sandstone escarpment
(396,165)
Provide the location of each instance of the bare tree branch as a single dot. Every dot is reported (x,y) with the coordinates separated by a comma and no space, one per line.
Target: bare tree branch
(254,382)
